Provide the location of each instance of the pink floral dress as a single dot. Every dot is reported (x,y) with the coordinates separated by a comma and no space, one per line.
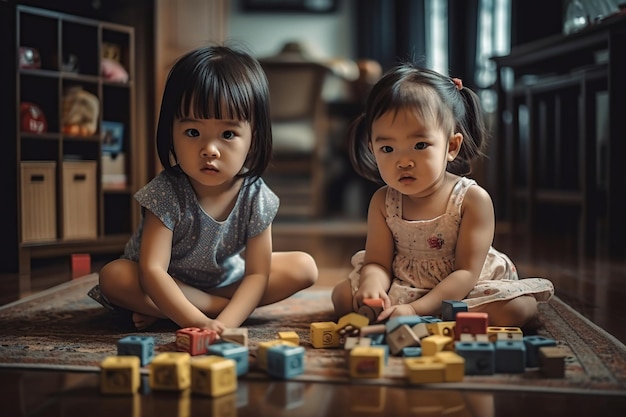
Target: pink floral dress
(425,256)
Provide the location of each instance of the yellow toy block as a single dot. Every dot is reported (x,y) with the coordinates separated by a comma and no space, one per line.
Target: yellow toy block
(213,375)
(170,371)
(443,328)
(367,362)
(323,335)
(120,375)
(436,343)
(424,369)
(261,354)
(455,365)
(290,337)
(504,333)
(351,322)
(236,335)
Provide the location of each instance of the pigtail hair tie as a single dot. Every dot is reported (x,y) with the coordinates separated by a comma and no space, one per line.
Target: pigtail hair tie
(458,82)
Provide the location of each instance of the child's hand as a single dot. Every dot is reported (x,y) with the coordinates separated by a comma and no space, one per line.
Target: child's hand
(373,292)
(214,325)
(395,311)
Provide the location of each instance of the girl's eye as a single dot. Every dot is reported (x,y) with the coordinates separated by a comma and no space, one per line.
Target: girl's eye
(229,134)
(421,145)
(386,149)
(192,133)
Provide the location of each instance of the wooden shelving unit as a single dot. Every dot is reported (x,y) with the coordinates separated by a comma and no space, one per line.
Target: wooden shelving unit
(70,50)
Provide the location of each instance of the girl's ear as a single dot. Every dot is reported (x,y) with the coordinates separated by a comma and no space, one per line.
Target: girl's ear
(454,146)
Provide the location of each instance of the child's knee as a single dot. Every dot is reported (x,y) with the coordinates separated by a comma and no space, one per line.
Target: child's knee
(304,268)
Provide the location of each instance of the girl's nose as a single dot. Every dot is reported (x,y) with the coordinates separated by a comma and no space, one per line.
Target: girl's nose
(210,151)
(405,163)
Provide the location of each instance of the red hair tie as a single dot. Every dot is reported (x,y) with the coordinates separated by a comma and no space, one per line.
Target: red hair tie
(458,83)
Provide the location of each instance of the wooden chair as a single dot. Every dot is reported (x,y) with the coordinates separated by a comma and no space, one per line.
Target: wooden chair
(300,128)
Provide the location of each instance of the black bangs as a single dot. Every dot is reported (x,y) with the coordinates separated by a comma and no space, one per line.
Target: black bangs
(215,92)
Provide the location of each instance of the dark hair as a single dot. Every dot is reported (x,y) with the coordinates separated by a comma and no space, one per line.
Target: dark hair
(432,96)
(218,82)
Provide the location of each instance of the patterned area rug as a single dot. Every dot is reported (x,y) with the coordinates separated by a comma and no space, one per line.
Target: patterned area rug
(63,329)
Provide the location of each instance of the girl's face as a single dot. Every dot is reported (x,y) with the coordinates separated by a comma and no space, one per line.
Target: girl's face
(412,155)
(211,151)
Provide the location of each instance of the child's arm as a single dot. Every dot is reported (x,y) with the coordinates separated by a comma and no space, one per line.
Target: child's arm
(248,294)
(379,249)
(154,259)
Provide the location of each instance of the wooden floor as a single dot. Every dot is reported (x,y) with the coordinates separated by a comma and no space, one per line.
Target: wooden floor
(595,285)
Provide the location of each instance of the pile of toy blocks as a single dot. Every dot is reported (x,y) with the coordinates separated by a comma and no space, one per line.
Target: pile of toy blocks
(436,349)
(203,363)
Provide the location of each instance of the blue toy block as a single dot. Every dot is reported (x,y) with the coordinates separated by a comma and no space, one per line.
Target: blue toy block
(234,351)
(395,322)
(479,357)
(411,351)
(376,339)
(140,346)
(430,319)
(449,308)
(533,343)
(510,356)
(285,361)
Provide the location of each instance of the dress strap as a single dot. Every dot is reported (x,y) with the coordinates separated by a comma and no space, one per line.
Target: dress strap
(458,194)
(393,202)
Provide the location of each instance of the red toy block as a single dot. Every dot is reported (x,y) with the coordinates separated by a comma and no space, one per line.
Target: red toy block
(194,340)
(470,323)
(81,265)
(373,302)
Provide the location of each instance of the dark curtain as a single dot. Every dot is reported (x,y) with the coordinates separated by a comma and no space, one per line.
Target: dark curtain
(389,31)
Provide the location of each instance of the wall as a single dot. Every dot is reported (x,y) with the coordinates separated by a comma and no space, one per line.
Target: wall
(327,35)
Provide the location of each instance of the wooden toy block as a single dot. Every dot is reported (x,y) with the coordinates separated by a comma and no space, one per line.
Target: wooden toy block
(323,335)
(552,361)
(411,351)
(170,371)
(352,342)
(400,338)
(234,351)
(372,329)
(436,343)
(455,365)
(504,333)
(81,265)
(236,335)
(290,337)
(479,357)
(370,312)
(351,324)
(120,375)
(533,343)
(213,376)
(466,337)
(424,369)
(366,362)
(373,302)
(510,356)
(449,308)
(140,346)
(471,322)
(261,353)
(443,328)
(285,361)
(421,330)
(194,340)
(395,322)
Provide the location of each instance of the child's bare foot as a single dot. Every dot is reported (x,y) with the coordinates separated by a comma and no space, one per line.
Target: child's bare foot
(142,321)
